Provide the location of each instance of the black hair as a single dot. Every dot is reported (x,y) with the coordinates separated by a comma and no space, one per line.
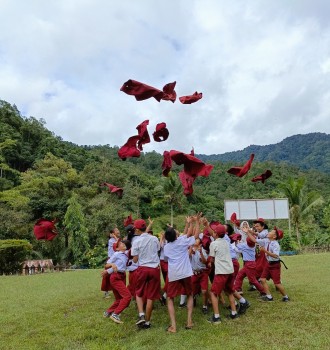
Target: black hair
(130,232)
(127,244)
(170,234)
(230,229)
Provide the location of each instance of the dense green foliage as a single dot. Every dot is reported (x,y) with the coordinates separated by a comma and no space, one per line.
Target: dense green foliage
(13,252)
(311,151)
(40,175)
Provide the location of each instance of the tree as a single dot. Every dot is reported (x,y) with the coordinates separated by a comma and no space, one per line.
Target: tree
(301,202)
(74,221)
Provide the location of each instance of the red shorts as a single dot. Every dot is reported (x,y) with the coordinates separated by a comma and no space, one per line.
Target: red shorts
(273,271)
(236,267)
(132,282)
(200,281)
(223,283)
(261,262)
(148,282)
(183,286)
(106,284)
(164,268)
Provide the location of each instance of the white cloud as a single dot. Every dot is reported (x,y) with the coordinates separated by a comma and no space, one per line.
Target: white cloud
(263,68)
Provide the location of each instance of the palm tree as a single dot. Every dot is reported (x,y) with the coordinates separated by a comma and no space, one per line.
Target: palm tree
(171,191)
(300,202)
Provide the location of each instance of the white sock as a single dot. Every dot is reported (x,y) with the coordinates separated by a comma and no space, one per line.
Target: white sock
(164,295)
(147,322)
(269,296)
(233,313)
(204,306)
(141,314)
(216,315)
(242,300)
(183,299)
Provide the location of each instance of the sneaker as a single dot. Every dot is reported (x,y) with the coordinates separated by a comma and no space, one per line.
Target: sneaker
(214,320)
(233,317)
(116,318)
(265,298)
(106,295)
(107,314)
(205,310)
(182,305)
(145,326)
(141,320)
(252,288)
(285,299)
(243,307)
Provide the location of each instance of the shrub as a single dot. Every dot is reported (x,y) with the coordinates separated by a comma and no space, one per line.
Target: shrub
(13,252)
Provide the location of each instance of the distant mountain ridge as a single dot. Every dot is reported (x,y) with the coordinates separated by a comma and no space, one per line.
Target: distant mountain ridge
(309,151)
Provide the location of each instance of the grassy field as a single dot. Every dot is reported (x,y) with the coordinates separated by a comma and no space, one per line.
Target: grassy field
(64,311)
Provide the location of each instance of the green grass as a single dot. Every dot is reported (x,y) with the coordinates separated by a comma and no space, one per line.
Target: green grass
(64,311)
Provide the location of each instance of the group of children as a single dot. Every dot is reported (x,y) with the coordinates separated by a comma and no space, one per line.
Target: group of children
(205,251)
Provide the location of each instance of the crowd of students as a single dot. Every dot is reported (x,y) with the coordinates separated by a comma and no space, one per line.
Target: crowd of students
(205,251)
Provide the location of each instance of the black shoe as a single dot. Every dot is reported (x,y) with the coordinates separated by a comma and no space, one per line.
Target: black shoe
(265,298)
(145,326)
(182,305)
(140,321)
(232,317)
(214,320)
(162,301)
(285,299)
(252,288)
(205,310)
(243,307)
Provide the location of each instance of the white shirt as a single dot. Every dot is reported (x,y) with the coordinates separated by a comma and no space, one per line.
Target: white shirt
(120,260)
(132,266)
(177,255)
(271,246)
(219,249)
(195,260)
(110,246)
(146,247)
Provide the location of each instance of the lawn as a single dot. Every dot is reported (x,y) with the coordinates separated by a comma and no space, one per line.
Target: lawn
(64,310)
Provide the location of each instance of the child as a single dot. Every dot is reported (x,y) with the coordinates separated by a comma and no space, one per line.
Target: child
(272,270)
(179,269)
(116,268)
(224,273)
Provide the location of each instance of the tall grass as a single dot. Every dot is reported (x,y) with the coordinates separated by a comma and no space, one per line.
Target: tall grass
(64,311)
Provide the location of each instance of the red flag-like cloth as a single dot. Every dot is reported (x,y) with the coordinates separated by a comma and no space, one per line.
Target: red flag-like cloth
(169,92)
(241,171)
(191,98)
(113,189)
(263,177)
(187,182)
(130,149)
(191,164)
(167,163)
(45,229)
(161,133)
(143,134)
(128,220)
(141,91)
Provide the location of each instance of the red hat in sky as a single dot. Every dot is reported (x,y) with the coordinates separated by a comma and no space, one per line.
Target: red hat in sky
(169,92)
(161,133)
(130,149)
(233,219)
(143,134)
(187,183)
(140,224)
(114,189)
(263,177)
(279,232)
(167,163)
(45,229)
(191,98)
(241,171)
(128,220)
(141,91)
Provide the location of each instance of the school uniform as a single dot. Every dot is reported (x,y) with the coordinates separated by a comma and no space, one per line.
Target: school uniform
(261,260)
(223,267)
(233,254)
(118,284)
(249,268)
(146,247)
(179,267)
(163,264)
(200,277)
(132,275)
(272,269)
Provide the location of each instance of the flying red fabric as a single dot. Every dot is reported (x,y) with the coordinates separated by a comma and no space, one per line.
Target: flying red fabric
(113,189)
(263,177)
(130,149)
(191,98)
(191,165)
(187,182)
(234,220)
(45,229)
(241,171)
(128,220)
(167,163)
(141,91)
(161,133)
(169,92)
(143,134)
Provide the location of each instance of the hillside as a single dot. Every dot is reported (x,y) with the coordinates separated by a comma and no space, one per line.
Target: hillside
(310,151)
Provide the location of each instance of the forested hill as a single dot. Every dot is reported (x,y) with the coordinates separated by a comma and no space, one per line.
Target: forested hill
(310,151)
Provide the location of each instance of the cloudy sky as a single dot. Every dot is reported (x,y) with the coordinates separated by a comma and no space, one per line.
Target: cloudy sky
(263,68)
